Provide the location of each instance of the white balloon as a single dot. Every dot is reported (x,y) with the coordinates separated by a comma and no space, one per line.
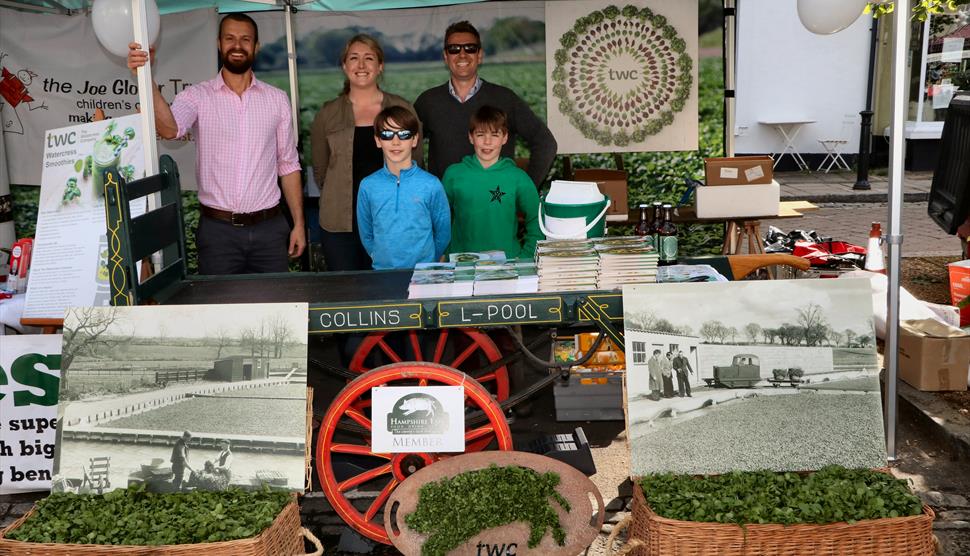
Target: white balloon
(824,17)
(114,27)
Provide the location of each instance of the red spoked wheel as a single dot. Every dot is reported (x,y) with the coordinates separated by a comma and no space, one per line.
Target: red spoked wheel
(346,463)
(465,349)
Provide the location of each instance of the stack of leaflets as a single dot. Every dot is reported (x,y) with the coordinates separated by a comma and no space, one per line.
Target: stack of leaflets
(432,280)
(625,260)
(468,274)
(566,265)
(497,278)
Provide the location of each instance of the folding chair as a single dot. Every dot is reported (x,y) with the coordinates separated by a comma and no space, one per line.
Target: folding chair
(833,155)
(97,474)
(133,239)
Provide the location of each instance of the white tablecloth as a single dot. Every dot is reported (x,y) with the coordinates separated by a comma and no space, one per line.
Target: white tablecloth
(10,312)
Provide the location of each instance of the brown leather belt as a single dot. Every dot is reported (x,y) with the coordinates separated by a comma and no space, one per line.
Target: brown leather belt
(240,218)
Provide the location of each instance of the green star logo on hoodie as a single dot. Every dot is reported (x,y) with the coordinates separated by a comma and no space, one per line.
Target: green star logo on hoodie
(497,194)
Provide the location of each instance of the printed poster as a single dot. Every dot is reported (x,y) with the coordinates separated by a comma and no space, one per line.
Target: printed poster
(54,73)
(69,267)
(622,79)
(183,397)
(30,370)
(775,374)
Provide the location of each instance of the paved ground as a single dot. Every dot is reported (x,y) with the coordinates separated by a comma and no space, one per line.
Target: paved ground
(846,214)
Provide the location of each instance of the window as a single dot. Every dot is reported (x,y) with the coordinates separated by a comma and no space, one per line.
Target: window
(939,64)
(639,352)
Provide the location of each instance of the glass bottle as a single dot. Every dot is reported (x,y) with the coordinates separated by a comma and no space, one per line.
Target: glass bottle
(644,227)
(667,234)
(655,225)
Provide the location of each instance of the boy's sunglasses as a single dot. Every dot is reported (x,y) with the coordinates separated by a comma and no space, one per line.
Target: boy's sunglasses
(388,134)
(470,48)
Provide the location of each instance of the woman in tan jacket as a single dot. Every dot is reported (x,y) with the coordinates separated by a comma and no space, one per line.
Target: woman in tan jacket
(344,151)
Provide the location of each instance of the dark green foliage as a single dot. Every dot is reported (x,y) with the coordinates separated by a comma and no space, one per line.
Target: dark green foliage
(190,214)
(453,510)
(136,517)
(832,494)
(26,200)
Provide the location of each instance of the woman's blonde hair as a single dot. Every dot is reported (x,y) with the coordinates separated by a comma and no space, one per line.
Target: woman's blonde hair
(369,42)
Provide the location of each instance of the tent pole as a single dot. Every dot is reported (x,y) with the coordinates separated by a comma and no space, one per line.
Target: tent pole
(288,12)
(145,94)
(894,233)
(730,27)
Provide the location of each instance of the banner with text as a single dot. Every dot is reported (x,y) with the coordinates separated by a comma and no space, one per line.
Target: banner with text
(55,74)
(69,266)
(622,79)
(30,370)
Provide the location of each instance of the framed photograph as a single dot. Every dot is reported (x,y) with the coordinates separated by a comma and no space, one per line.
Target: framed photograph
(750,375)
(183,397)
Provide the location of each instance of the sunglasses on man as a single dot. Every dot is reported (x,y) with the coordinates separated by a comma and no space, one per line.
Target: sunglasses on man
(388,134)
(470,48)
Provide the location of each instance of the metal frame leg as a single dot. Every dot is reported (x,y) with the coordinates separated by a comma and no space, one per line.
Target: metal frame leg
(790,132)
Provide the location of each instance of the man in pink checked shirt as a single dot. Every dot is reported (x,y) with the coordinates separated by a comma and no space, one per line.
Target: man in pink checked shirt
(244,136)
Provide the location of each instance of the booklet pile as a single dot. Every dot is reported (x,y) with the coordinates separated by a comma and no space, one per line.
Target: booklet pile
(598,263)
(468,274)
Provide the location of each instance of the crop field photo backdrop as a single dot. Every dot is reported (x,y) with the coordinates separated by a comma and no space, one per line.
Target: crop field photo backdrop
(779,375)
(135,380)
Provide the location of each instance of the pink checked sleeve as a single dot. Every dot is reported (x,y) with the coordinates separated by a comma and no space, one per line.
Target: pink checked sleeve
(185,108)
(287,159)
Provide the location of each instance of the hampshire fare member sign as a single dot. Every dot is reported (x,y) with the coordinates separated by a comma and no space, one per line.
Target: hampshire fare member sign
(30,371)
(410,419)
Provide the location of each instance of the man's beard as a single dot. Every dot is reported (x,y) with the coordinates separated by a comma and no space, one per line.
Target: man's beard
(240,67)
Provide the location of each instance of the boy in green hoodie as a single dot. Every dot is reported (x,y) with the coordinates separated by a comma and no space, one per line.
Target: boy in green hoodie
(486,192)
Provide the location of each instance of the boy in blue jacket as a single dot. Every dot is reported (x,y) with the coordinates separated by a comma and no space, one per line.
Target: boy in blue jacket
(402,211)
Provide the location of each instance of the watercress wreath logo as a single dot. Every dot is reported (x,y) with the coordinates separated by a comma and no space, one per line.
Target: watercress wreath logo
(621,74)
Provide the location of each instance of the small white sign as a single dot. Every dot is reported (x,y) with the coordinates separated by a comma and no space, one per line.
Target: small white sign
(729,173)
(418,419)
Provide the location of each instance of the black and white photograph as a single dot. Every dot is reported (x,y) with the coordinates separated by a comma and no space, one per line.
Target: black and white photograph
(183,397)
(780,375)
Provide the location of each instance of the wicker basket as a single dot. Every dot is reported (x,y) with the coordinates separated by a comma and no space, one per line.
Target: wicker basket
(652,535)
(284,537)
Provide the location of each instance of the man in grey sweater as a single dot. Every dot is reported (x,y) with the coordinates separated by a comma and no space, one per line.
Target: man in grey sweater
(445,110)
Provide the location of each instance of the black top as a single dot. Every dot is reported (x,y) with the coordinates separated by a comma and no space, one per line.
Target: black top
(445,124)
(368,158)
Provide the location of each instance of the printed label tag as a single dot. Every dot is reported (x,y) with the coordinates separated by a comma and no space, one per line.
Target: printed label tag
(752,174)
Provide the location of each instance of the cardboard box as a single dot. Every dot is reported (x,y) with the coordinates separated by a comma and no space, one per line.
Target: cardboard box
(933,356)
(738,201)
(739,170)
(611,183)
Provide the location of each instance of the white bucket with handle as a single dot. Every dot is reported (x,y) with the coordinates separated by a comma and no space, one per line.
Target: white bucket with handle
(573,210)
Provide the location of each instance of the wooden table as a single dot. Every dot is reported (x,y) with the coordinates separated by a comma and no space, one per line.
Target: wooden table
(736,230)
